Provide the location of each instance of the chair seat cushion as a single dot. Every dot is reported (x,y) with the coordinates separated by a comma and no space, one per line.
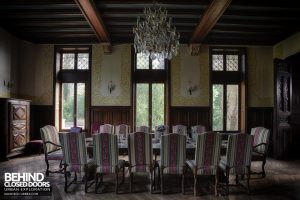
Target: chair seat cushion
(81,168)
(56,155)
(257,156)
(110,169)
(204,170)
(171,169)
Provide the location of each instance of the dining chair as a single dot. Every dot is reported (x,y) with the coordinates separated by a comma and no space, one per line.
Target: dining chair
(95,128)
(238,159)
(107,128)
(122,130)
(144,129)
(106,157)
(75,157)
(140,156)
(52,147)
(195,130)
(260,147)
(76,129)
(180,129)
(173,157)
(207,156)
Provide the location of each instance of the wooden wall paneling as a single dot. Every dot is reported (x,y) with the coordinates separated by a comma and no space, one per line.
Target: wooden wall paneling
(190,116)
(111,115)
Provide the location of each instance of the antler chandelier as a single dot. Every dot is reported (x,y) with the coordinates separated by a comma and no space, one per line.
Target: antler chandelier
(155,35)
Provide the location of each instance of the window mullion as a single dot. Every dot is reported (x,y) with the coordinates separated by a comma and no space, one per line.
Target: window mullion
(150,105)
(75,105)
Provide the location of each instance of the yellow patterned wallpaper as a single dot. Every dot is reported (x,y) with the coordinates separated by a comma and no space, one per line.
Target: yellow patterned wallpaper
(178,68)
(37,84)
(100,97)
(260,76)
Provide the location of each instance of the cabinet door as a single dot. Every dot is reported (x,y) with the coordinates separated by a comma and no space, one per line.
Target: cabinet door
(18,126)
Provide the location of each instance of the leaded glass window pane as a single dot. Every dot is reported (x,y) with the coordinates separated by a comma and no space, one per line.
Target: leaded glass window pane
(142,61)
(232,118)
(232,62)
(142,104)
(218,110)
(83,61)
(158,64)
(217,62)
(68,61)
(158,104)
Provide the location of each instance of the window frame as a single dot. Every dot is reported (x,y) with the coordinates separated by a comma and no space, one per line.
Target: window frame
(150,76)
(225,78)
(72,76)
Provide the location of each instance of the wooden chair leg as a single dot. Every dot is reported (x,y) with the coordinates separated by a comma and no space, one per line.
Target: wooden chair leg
(216,182)
(248,180)
(96,182)
(131,180)
(183,179)
(123,175)
(263,168)
(162,180)
(47,170)
(86,181)
(195,183)
(66,179)
(117,181)
(151,181)
(227,180)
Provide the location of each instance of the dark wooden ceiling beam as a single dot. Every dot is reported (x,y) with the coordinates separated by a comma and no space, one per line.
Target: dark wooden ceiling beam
(92,15)
(208,20)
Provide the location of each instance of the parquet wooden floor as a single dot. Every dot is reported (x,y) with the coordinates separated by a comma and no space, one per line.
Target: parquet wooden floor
(282,182)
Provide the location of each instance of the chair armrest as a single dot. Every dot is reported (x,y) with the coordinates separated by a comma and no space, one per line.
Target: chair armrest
(260,144)
(48,142)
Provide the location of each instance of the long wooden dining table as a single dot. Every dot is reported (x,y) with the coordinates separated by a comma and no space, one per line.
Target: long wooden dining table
(156,145)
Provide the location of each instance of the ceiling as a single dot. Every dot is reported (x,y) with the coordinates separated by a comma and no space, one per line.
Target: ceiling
(243,22)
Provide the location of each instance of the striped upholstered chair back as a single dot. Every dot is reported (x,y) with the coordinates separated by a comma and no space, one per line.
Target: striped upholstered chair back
(140,152)
(173,153)
(238,155)
(74,151)
(144,129)
(105,152)
(261,139)
(195,130)
(179,129)
(122,130)
(207,155)
(107,128)
(49,135)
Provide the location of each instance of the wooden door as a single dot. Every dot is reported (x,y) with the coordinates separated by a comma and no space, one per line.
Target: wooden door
(282,137)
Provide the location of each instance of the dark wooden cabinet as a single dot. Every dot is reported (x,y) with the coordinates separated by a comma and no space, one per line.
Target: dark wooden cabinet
(14,126)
